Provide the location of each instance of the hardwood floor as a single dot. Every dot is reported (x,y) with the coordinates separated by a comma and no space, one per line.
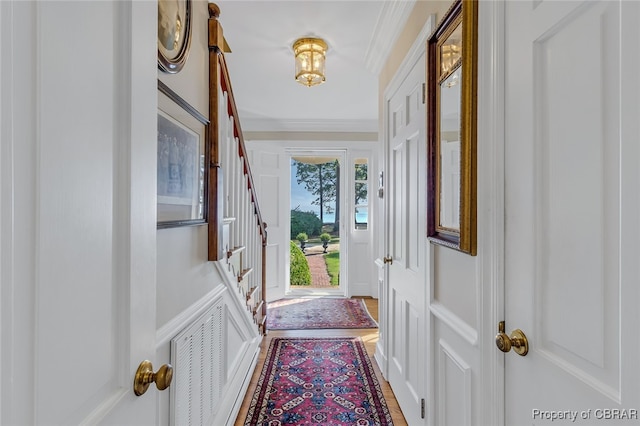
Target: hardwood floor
(369,336)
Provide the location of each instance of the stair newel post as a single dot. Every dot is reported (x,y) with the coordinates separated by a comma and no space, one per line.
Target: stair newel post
(214,216)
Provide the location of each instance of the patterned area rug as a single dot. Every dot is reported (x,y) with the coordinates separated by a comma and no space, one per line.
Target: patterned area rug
(318,381)
(299,314)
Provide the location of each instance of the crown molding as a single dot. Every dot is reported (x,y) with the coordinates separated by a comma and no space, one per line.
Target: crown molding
(416,50)
(301,125)
(391,21)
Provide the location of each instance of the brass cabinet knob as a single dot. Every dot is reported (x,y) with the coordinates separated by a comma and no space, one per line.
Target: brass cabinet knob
(145,376)
(388,260)
(517,340)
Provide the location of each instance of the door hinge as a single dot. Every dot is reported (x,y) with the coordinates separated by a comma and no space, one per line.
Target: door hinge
(422,408)
(424,92)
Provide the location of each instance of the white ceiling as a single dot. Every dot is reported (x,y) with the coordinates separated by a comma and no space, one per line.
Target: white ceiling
(261,66)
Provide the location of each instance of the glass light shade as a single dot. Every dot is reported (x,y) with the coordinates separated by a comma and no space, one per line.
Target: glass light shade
(451,51)
(310,57)
(450,55)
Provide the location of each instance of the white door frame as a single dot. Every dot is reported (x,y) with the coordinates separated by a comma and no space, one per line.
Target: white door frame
(341,155)
(490,211)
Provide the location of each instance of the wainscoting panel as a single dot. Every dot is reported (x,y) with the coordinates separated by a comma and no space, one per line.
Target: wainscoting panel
(236,342)
(359,269)
(454,388)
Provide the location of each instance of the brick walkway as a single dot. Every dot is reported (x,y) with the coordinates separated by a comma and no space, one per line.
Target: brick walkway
(318,267)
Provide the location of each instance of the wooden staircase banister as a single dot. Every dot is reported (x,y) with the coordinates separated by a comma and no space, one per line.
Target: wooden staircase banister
(225,81)
(236,178)
(233,112)
(258,308)
(234,251)
(244,273)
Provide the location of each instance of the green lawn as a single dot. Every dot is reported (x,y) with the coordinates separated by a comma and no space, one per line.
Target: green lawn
(333,266)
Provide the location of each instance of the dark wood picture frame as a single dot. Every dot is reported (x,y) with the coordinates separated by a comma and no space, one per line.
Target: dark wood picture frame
(174,34)
(183,150)
(451,206)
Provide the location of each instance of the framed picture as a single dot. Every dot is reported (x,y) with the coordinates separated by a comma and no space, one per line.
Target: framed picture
(452,129)
(182,149)
(174,34)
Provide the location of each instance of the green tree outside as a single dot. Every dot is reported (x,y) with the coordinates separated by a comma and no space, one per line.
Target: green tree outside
(323,182)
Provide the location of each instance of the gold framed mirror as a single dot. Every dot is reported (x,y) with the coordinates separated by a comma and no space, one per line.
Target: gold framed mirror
(452,128)
(174,34)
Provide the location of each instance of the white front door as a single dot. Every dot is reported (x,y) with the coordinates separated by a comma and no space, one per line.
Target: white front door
(270,167)
(77,226)
(406,243)
(572,205)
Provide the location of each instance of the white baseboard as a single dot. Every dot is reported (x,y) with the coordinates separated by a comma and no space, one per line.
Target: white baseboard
(381,360)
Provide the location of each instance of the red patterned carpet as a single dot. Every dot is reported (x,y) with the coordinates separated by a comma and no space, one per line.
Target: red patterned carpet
(300,314)
(327,381)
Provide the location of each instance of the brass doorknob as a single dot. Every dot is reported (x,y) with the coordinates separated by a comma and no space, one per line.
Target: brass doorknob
(145,376)
(517,340)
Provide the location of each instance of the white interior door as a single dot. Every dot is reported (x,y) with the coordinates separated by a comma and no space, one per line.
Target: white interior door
(77,224)
(270,168)
(406,243)
(572,208)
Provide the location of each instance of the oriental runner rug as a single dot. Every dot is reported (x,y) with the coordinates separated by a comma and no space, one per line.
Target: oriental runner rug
(318,381)
(301,314)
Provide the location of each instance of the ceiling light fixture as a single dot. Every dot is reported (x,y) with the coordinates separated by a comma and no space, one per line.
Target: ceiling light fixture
(310,56)
(450,54)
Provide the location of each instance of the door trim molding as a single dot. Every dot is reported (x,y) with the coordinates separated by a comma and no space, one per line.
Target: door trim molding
(340,154)
(491,205)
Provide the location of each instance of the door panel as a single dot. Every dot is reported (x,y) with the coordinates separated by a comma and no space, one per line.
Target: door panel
(566,233)
(576,177)
(269,166)
(407,289)
(78,267)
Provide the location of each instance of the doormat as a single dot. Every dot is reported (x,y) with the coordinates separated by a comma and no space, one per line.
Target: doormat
(300,314)
(327,381)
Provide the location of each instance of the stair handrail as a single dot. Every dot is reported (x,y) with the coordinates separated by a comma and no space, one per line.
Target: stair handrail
(217,46)
(219,74)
